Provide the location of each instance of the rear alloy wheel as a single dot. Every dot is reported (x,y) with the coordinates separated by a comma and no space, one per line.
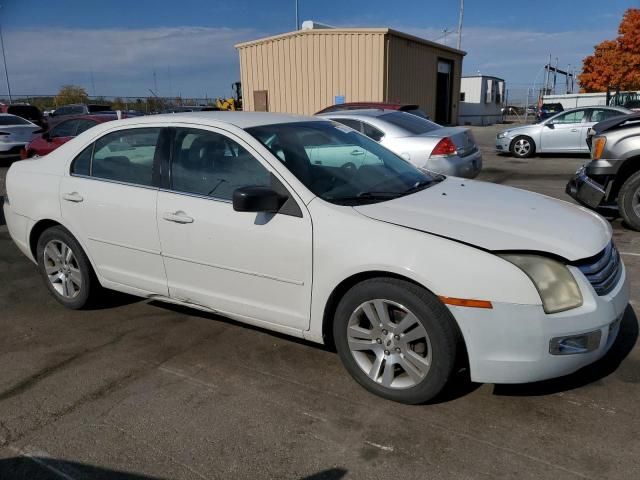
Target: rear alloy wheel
(629,201)
(65,268)
(396,339)
(522,147)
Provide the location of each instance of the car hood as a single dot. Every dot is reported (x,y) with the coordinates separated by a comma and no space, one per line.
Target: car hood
(523,129)
(497,218)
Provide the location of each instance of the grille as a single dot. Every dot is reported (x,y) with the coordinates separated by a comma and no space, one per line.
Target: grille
(603,271)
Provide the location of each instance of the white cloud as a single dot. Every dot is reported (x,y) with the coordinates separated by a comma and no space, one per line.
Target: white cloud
(200,60)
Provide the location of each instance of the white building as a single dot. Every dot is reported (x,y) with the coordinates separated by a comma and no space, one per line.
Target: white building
(481,99)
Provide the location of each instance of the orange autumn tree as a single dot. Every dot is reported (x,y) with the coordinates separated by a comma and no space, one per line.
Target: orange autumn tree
(615,62)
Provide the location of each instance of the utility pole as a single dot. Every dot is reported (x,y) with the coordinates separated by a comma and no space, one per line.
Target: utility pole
(4,59)
(297,18)
(460,24)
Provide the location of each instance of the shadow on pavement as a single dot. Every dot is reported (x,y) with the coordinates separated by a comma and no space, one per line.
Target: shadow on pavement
(2,220)
(608,364)
(39,468)
(43,468)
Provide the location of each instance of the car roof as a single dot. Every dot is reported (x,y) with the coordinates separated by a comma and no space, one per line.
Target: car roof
(214,118)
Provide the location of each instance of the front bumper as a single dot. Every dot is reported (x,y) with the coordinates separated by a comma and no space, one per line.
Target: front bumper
(503,144)
(511,343)
(466,167)
(585,190)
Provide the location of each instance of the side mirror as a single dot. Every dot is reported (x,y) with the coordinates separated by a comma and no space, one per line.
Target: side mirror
(550,125)
(257,199)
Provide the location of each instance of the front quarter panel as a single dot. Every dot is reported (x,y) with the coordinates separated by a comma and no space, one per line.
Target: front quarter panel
(347,243)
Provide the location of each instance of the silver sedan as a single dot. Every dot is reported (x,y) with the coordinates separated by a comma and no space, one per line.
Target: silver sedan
(565,132)
(446,150)
(15,133)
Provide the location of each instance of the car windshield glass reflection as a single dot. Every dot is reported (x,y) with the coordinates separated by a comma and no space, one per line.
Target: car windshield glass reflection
(340,165)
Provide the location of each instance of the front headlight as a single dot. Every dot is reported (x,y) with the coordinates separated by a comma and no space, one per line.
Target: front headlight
(553,280)
(502,134)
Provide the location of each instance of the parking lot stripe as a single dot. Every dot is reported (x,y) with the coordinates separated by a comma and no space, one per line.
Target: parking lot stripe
(631,254)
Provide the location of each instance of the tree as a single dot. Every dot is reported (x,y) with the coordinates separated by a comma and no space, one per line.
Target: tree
(615,62)
(71,94)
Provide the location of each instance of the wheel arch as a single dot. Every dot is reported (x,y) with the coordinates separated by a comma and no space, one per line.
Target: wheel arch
(629,167)
(43,224)
(344,286)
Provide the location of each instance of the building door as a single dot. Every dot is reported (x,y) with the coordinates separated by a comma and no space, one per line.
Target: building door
(260,101)
(444,84)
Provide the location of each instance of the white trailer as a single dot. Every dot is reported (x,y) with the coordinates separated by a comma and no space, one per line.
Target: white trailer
(481,99)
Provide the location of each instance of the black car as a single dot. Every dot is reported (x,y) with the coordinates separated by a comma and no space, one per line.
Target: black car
(548,110)
(26,111)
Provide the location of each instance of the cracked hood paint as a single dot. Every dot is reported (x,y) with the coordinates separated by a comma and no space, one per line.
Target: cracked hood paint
(496,217)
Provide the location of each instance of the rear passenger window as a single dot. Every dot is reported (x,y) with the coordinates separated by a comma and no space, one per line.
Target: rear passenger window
(126,156)
(210,164)
(372,132)
(82,163)
(355,124)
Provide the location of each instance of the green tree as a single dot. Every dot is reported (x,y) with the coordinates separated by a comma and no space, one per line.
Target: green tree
(71,94)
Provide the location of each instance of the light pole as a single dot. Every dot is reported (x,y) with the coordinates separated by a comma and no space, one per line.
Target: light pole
(460,24)
(4,60)
(297,18)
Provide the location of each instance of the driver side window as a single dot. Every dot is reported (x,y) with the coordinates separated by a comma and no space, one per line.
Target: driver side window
(210,164)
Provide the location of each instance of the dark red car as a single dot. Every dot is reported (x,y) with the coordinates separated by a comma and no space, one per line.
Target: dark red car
(404,107)
(64,131)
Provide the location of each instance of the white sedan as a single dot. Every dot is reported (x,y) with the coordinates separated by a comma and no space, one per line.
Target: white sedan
(406,273)
(15,133)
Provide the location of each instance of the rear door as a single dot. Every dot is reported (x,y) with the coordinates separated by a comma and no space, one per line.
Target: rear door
(109,201)
(563,132)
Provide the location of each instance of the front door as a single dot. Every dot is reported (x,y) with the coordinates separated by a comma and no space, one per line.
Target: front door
(109,202)
(255,266)
(562,132)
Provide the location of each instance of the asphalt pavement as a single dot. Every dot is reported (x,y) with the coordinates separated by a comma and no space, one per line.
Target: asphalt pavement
(141,390)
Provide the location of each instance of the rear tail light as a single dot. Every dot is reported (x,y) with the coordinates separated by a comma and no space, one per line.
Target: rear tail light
(23,154)
(445,147)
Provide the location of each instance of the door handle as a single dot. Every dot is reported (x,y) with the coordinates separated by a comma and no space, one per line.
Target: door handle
(357,152)
(177,217)
(72,197)
(574,129)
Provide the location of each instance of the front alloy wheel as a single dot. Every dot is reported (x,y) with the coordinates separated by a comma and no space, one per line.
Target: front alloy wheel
(522,147)
(396,339)
(389,344)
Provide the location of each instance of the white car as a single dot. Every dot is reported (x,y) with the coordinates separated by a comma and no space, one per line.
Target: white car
(446,150)
(405,272)
(15,133)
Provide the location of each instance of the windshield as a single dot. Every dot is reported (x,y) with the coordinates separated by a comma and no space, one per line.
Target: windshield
(13,120)
(340,165)
(411,123)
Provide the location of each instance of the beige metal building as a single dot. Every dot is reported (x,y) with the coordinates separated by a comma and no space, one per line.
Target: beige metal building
(310,69)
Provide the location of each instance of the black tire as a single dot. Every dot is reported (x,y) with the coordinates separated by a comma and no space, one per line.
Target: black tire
(89,287)
(431,314)
(527,144)
(629,201)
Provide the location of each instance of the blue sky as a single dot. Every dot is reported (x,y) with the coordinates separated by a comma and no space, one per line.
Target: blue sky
(189,43)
